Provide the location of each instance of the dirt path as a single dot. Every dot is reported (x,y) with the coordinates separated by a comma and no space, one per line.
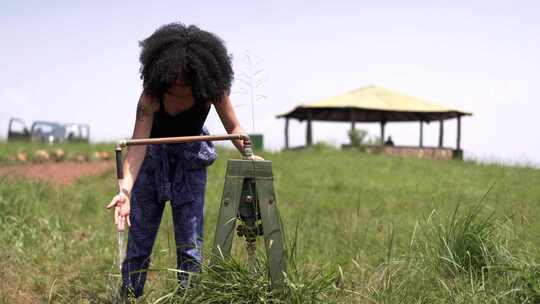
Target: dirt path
(64,173)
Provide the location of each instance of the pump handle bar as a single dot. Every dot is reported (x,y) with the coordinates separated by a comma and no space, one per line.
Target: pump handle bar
(247,153)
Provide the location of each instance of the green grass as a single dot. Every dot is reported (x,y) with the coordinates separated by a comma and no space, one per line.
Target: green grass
(362,229)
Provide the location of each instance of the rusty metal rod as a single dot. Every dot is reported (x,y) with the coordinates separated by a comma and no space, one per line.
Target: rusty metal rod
(181,139)
(247,153)
(118,158)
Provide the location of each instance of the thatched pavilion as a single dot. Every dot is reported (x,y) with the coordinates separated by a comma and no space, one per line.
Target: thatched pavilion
(380,105)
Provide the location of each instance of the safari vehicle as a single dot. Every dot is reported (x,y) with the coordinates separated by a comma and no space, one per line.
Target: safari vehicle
(46,131)
(77,132)
(17,130)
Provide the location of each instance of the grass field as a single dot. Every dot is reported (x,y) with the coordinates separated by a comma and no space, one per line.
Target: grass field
(361,228)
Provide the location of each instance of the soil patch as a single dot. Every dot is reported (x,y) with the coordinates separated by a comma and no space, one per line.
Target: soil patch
(62,173)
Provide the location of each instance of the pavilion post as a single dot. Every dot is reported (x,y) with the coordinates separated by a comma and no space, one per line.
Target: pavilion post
(309,135)
(383,123)
(352,120)
(421,134)
(441,133)
(286,133)
(458,138)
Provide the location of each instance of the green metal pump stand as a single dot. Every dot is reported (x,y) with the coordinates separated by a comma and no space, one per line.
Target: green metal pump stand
(249,196)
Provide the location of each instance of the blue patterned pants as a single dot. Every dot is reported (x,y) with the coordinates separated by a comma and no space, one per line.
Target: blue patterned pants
(175,173)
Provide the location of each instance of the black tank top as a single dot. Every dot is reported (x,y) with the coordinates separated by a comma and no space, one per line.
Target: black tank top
(186,123)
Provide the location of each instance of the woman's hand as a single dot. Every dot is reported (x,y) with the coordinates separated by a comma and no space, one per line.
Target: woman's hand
(121,205)
(247,142)
(255,157)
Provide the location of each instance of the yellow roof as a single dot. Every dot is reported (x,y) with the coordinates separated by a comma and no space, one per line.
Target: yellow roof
(376,99)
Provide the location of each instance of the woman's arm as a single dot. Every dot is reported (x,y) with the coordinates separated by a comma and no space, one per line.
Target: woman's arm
(135,156)
(229,120)
(146,108)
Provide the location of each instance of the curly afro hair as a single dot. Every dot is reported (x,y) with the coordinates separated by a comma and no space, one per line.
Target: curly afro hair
(199,58)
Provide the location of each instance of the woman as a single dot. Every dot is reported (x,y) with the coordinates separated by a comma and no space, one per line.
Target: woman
(185,70)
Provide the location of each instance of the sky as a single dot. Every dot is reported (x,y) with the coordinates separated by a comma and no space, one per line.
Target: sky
(72,61)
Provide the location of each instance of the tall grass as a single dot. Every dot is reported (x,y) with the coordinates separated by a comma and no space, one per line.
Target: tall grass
(463,242)
(229,280)
(464,258)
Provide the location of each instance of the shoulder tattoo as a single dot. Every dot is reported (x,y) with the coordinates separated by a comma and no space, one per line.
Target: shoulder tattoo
(141,112)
